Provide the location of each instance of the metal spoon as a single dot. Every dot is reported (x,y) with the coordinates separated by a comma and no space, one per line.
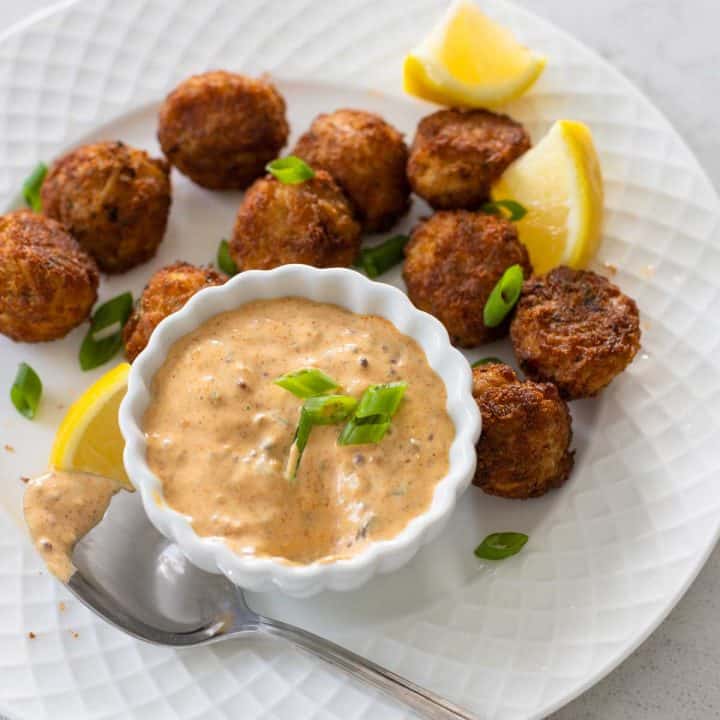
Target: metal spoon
(137,580)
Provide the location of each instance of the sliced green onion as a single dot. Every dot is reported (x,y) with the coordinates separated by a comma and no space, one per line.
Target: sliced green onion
(487,361)
(329,409)
(381,400)
(377,260)
(373,415)
(104,338)
(94,353)
(302,434)
(113,311)
(290,170)
(362,431)
(224,259)
(503,296)
(369,419)
(319,410)
(31,187)
(501,545)
(307,382)
(26,391)
(515,211)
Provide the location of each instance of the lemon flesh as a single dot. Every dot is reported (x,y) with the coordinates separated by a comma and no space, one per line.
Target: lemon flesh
(559,182)
(89,439)
(469,60)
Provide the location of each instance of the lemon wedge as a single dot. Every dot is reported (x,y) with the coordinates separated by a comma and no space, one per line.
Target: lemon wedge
(559,183)
(469,60)
(89,438)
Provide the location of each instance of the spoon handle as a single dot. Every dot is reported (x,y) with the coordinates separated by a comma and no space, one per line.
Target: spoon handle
(426,703)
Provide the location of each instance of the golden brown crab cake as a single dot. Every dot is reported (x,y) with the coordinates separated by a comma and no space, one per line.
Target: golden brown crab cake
(310,222)
(452,263)
(458,154)
(367,157)
(220,129)
(166,292)
(48,283)
(114,199)
(524,449)
(576,329)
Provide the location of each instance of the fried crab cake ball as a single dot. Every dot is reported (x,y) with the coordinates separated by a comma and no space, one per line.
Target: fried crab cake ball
(221,129)
(48,283)
(457,155)
(310,222)
(453,261)
(114,200)
(166,292)
(367,157)
(576,329)
(526,431)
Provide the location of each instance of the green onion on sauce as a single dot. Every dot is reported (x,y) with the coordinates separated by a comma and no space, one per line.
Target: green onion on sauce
(318,410)
(307,382)
(372,418)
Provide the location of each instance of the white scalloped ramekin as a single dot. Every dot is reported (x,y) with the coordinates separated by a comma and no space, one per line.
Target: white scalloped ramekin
(350,290)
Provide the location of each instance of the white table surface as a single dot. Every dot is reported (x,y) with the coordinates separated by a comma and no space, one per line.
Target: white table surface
(670,49)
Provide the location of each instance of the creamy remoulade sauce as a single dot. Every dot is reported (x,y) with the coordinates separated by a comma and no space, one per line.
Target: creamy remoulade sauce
(219,431)
(62,507)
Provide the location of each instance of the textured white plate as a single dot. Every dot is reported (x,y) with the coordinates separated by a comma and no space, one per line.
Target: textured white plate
(610,553)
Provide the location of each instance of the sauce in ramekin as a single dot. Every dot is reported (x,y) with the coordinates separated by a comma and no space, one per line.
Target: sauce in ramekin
(219,432)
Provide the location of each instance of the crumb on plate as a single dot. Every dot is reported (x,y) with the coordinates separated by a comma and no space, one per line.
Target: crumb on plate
(610,268)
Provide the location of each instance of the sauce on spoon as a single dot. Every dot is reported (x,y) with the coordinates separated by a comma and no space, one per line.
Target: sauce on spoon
(60,509)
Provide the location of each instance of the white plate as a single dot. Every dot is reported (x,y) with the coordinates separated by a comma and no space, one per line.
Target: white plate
(610,553)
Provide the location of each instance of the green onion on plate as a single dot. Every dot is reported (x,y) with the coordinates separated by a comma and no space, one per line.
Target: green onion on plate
(503,296)
(487,361)
(290,170)
(375,261)
(31,187)
(224,259)
(509,209)
(104,338)
(26,391)
(498,546)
